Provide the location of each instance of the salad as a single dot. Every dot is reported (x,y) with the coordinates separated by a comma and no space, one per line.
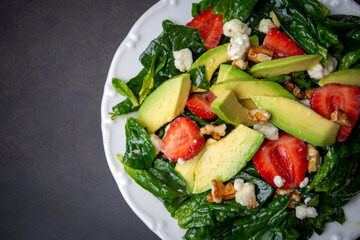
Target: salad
(256,135)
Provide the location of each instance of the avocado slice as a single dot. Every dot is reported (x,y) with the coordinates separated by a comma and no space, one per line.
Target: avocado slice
(248,103)
(284,65)
(228,108)
(254,40)
(229,72)
(187,170)
(299,120)
(225,158)
(165,103)
(244,89)
(211,60)
(346,77)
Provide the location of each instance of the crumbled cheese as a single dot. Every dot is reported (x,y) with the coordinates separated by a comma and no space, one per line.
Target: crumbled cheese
(267,128)
(304,212)
(304,183)
(157,142)
(307,200)
(183,59)
(305,102)
(279,181)
(245,193)
(319,71)
(265,25)
(238,47)
(181,161)
(235,27)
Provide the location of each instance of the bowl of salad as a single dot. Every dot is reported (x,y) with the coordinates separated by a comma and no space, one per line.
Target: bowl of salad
(238,119)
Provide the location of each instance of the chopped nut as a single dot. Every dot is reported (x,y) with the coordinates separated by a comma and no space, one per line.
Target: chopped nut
(275,19)
(259,115)
(157,142)
(309,92)
(215,131)
(340,117)
(313,157)
(220,191)
(280,192)
(298,93)
(260,54)
(289,86)
(295,197)
(239,63)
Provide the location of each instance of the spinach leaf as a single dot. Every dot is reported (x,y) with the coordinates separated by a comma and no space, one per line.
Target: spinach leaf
(349,59)
(202,6)
(272,221)
(121,87)
(122,108)
(173,38)
(198,77)
(201,122)
(135,83)
(230,9)
(140,152)
(148,81)
(261,10)
(161,180)
(343,22)
(198,212)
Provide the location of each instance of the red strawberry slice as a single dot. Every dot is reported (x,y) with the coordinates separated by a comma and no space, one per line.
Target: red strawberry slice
(210,27)
(281,44)
(285,157)
(182,140)
(199,104)
(334,96)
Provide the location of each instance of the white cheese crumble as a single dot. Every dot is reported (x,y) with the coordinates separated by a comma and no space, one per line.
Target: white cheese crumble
(304,212)
(183,59)
(307,200)
(304,183)
(267,128)
(305,102)
(279,181)
(181,161)
(238,47)
(319,71)
(157,142)
(245,193)
(265,25)
(235,27)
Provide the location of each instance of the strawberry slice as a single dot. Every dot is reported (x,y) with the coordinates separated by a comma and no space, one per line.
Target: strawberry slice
(285,157)
(334,96)
(199,104)
(182,140)
(281,44)
(210,27)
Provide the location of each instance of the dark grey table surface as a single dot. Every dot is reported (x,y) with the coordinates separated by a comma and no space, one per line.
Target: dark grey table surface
(55,182)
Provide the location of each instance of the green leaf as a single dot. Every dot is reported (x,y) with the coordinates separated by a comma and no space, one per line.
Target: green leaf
(201,122)
(122,108)
(162,182)
(202,6)
(349,59)
(343,22)
(198,77)
(230,9)
(140,152)
(121,87)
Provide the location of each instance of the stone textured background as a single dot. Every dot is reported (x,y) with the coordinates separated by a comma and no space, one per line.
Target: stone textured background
(54,180)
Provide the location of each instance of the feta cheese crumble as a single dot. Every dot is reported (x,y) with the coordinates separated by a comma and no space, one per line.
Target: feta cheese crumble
(305,102)
(181,161)
(265,25)
(279,181)
(267,128)
(183,59)
(235,27)
(319,71)
(304,212)
(245,193)
(304,183)
(157,142)
(238,47)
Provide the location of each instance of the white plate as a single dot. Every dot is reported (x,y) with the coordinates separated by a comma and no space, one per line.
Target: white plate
(125,65)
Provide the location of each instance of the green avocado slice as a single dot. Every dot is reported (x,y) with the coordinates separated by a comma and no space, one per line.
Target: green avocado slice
(346,77)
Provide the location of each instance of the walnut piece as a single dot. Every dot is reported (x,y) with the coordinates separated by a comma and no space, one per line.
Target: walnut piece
(275,19)
(340,117)
(295,90)
(215,131)
(239,63)
(309,92)
(260,54)
(259,115)
(220,191)
(292,193)
(295,197)
(313,156)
